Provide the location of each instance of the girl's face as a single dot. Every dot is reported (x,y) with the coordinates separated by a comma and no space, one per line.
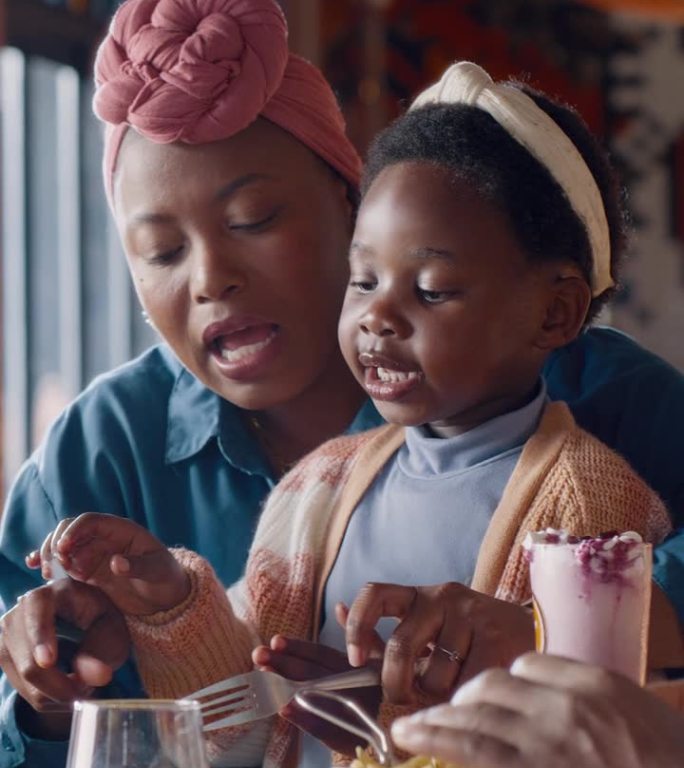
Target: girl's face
(237,250)
(442,316)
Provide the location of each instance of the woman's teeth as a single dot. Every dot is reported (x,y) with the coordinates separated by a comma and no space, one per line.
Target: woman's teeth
(235,355)
(385,374)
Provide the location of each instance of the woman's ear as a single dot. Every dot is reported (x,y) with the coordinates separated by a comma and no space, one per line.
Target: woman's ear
(566,311)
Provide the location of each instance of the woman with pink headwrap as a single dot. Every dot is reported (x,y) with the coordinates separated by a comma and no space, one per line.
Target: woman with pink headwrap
(233,187)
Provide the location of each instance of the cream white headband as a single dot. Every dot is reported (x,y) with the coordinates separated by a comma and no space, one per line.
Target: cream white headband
(467,83)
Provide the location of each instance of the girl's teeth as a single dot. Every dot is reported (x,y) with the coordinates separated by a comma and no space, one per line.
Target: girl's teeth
(385,374)
(235,355)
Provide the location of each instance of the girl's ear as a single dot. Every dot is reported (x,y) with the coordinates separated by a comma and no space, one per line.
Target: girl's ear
(569,300)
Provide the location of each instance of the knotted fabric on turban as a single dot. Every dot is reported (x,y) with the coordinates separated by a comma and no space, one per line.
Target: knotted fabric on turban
(197,71)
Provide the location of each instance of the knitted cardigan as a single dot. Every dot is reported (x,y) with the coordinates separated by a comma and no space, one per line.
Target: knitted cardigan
(564,478)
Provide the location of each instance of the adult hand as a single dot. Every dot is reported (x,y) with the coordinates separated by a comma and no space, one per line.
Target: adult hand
(118,556)
(28,651)
(303,660)
(446,635)
(548,711)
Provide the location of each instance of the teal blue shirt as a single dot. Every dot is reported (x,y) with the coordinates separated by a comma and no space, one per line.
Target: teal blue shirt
(151,443)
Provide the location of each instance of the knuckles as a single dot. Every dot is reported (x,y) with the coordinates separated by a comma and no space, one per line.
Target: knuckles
(449,591)
(399,648)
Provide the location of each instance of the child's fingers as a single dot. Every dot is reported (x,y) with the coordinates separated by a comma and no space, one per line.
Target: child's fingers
(48,549)
(93,538)
(308,651)
(293,668)
(46,557)
(86,527)
(299,659)
(98,559)
(148,567)
(89,561)
(261,656)
(119,565)
(146,583)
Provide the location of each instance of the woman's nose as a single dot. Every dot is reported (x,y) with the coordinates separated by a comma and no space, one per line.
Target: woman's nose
(215,273)
(383,318)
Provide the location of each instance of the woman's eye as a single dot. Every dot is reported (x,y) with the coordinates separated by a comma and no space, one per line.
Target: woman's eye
(256,225)
(164,258)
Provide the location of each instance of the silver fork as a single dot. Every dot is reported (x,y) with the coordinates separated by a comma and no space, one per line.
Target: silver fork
(363,725)
(257,694)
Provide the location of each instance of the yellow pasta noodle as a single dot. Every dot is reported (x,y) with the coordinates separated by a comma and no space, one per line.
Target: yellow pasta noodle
(365,760)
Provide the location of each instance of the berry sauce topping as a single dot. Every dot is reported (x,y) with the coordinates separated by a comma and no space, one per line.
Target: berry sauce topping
(604,557)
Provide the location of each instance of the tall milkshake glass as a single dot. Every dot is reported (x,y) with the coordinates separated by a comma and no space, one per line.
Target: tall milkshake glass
(592,597)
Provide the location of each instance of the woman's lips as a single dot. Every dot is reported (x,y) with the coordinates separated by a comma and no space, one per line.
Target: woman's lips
(243,353)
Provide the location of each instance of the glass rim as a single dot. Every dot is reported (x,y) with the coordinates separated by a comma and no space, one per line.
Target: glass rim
(139,705)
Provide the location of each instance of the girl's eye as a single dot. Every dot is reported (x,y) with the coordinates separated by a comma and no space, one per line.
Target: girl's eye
(434,297)
(362,286)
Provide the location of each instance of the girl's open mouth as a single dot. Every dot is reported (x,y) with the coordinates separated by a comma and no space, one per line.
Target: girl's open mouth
(384,383)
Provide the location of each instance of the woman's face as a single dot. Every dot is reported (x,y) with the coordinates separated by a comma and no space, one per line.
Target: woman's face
(238,253)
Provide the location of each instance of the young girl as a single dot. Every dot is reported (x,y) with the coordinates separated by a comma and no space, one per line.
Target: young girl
(487,237)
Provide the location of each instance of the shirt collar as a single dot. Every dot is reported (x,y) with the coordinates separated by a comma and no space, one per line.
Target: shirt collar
(193,416)
(197,415)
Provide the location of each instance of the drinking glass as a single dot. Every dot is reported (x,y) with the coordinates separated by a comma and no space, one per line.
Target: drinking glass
(136,734)
(592,600)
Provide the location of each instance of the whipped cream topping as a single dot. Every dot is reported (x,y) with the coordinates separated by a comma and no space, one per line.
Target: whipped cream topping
(605,556)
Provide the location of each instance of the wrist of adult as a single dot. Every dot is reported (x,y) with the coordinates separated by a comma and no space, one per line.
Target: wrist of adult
(46,726)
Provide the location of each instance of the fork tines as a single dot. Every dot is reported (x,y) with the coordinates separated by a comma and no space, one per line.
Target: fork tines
(227,698)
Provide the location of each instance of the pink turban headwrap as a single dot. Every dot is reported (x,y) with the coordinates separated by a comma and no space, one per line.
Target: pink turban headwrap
(197,71)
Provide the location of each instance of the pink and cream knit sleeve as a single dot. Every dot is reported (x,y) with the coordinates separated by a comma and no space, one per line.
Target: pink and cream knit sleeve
(196,643)
(211,635)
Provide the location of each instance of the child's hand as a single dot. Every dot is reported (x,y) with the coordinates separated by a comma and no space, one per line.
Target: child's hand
(122,558)
(304,660)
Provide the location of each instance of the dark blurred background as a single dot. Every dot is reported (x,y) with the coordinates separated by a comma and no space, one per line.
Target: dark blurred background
(68,311)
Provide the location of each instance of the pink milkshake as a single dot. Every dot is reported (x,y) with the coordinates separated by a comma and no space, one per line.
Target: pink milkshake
(592,598)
